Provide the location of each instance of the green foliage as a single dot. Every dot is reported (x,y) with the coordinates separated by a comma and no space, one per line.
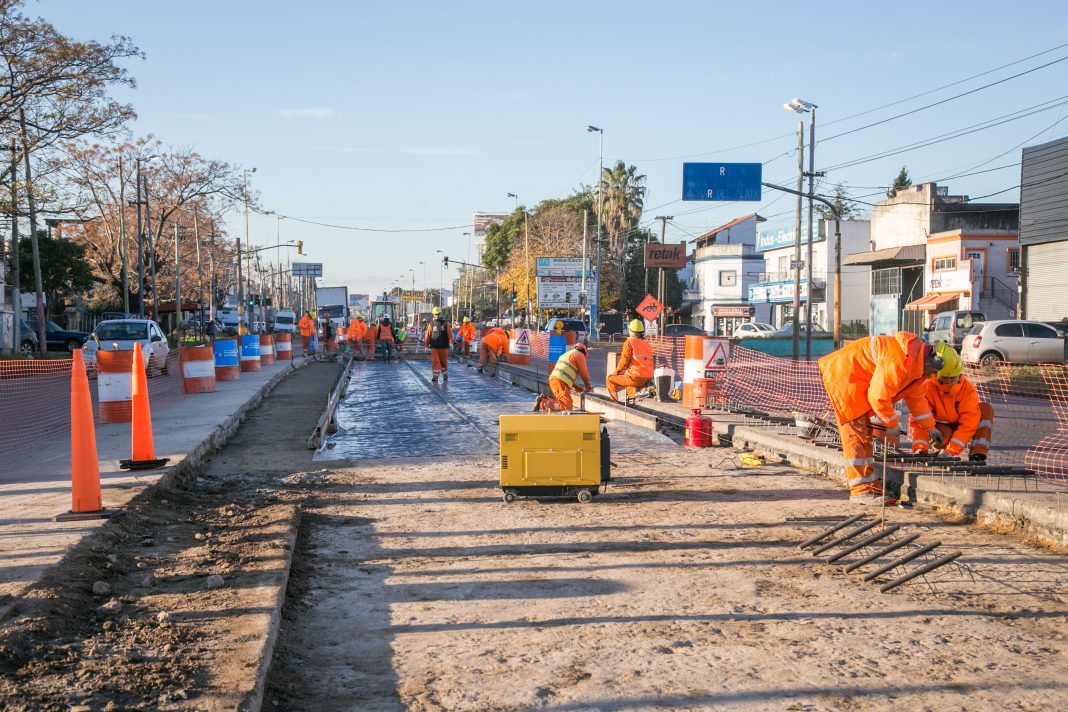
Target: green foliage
(64,269)
(901,182)
(502,239)
(845,207)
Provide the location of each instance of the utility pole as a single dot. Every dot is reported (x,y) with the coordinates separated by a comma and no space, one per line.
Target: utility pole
(240,287)
(151,254)
(140,248)
(797,240)
(200,272)
(34,249)
(16,270)
(583,301)
(660,288)
(808,253)
(122,238)
(595,308)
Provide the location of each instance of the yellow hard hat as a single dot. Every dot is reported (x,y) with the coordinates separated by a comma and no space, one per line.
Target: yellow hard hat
(436,311)
(952,365)
(466,320)
(636,326)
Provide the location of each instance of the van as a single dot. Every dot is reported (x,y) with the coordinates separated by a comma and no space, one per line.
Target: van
(952,327)
(285,321)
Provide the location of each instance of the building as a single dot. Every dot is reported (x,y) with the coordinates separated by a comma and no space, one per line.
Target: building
(900,229)
(1044,231)
(725,265)
(776,285)
(970,270)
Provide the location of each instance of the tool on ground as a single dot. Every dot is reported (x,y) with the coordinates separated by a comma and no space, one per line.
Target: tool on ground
(142,446)
(564,455)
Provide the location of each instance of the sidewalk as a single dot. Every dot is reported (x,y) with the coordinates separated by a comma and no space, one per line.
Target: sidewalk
(35,485)
(1033,509)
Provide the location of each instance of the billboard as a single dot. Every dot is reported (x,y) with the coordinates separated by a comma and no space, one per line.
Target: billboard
(666,256)
(359,301)
(481,221)
(560,282)
(307,269)
(776,292)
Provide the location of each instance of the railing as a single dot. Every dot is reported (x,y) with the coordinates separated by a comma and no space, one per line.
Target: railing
(1002,293)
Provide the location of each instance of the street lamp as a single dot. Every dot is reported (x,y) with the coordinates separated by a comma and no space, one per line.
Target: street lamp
(800,106)
(595,308)
(248,252)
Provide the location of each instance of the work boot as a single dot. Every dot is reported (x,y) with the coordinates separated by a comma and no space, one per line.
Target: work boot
(537,402)
(481,370)
(444,377)
(976,457)
(433,379)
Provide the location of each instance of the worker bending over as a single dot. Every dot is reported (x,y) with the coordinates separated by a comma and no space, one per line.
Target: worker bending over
(437,340)
(400,335)
(307,328)
(634,368)
(864,380)
(466,336)
(494,347)
(961,419)
(383,334)
(569,368)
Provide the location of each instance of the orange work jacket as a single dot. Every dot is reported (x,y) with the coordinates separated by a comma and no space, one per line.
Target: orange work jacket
(356,330)
(467,332)
(307,326)
(958,406)
(496,340)
(636,359)
(872,373)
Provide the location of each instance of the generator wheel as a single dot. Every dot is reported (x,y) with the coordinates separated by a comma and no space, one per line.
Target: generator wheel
(585,497)
(509,496)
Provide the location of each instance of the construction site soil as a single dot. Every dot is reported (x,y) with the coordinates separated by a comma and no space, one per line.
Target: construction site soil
(414,586)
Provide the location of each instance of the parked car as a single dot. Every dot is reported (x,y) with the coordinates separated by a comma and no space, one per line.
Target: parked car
(952,327)
(754,330)
(122,334)
(111,315)
(569,324)
(285,321)
(681,330)
(1012,340)
(787,331)
(59,339)
(27,338)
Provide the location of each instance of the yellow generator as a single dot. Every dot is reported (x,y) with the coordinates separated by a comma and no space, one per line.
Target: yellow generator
(553,455)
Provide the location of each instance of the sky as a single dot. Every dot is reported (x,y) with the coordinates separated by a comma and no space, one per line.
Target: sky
(398,120)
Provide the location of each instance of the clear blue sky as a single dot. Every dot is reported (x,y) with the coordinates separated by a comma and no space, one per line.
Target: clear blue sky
(413,115)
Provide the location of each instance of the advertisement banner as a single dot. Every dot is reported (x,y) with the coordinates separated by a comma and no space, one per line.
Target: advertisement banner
(307,269)
(764,292)
(665,256)
(559,282)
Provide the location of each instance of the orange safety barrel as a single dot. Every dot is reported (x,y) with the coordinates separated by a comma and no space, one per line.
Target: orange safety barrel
(283,347)
(198,369)
(250,352)
(266,349)
(226,360)
(701,392)
(113,386)
(693,355)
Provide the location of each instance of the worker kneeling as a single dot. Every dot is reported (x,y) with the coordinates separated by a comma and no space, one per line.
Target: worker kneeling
(960,419)
(494,347)
(635,366)
(569,368)
(864,380)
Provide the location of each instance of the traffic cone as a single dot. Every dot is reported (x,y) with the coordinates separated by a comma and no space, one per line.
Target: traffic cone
(143,456)
(86,502)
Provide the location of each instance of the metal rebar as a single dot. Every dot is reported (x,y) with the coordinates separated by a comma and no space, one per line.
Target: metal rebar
(865,542)
(846,537)
(926,568)
(882,552)
(827,532)
(915,554)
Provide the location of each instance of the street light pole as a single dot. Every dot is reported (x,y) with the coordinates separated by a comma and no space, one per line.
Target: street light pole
(595,308)
(248,250)
(800,106)
(122,238)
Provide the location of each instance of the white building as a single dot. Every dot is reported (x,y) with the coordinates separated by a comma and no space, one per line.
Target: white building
(776,285)
(725,265)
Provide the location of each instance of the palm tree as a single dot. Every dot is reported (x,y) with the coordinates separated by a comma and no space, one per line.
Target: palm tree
(623,200)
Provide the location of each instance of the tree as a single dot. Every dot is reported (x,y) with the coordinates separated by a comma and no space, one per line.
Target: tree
(634,287)
(843,206)
(501,238)
(622,202)
(64,270)
(901,182)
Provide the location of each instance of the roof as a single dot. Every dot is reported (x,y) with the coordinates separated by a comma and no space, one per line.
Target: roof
(932,302)
(737,221)
(889,257)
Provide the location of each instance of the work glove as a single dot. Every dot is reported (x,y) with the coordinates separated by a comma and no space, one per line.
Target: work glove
(938,441)
(953,449)
(891,436)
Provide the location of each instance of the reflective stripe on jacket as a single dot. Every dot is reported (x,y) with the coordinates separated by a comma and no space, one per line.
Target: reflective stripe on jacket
(959,407)
(570,367)
(636,359)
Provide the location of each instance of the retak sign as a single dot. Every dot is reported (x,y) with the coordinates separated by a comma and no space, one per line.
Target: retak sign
(650,308)
(665,256)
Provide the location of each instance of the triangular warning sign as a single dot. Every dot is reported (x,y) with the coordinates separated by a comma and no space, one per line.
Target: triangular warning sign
(523,339)
(718,359)
(650,308)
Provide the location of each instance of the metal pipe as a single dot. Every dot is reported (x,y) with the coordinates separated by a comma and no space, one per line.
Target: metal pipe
(846,537)
(926,568)
(827,532)
(902,560)
(865,542)
(882,552)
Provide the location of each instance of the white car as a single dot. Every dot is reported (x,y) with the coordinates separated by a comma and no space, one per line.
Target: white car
(754,330)
(1012,340)
(285,321)
(122,334)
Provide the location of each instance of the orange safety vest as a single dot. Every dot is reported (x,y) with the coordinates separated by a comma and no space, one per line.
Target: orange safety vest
(307,326)
(636,359)
(354,331)
(383,333)
(959,406)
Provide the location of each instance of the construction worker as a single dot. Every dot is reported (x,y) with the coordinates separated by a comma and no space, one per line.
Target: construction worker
(329,344)
(307,328)
(436,339)
(569,368)
(400,335)
(494,346)
(466,335)
(961,419)
(357,329)
(634,368)
(383,335)
(864,380)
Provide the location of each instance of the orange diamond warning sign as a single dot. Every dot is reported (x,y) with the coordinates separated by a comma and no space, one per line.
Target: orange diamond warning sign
(650,309)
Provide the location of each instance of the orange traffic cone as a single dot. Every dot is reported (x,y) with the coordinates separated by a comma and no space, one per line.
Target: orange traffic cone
(143,456)
(84,466)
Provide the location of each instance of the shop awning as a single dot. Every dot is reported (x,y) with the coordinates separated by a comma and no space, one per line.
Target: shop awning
(932,302)
(890,257)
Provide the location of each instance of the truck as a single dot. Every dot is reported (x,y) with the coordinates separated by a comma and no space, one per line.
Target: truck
(332,303)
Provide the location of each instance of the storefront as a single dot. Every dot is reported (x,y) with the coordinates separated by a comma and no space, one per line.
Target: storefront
(727,318)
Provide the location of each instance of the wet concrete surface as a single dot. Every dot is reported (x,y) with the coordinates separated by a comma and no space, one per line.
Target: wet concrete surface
(394,411)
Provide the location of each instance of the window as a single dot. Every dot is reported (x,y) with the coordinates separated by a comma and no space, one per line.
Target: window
(1014,260)
(784,264)
(1012,329)
(942,324)
(728,278)
(1038,331)
(942,264)
(886,281)
(965,320)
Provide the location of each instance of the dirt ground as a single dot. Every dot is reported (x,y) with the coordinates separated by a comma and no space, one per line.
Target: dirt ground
(682,587)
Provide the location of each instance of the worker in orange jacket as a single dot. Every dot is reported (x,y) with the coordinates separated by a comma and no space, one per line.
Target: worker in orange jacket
(634,368)
(307,328)
(467,335)
(383,338)
(494,347)
(437,337)
(864,379)
(961,419)
(357,331)
(570,367)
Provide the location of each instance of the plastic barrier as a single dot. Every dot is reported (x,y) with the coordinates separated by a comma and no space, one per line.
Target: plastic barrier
(198,369)
(266,349)
(250,352)
(227,366)
(519,347)
(113,385)
(283,346)
(703,357)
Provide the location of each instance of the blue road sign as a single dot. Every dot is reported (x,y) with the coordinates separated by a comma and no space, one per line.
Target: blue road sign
(721,181)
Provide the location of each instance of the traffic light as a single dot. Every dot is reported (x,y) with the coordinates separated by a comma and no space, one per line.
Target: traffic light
(300,247)
(514,298)
(445,262)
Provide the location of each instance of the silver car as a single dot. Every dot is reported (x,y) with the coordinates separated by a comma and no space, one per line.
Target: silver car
(121,335)
(1012,340)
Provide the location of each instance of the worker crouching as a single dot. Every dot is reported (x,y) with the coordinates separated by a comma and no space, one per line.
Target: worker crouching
(494,348)
(570,367)
(634,368)
(465,336)
(960,418)
(437,340)
(864,380)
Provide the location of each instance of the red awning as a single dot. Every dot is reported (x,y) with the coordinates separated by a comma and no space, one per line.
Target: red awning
(932,302)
